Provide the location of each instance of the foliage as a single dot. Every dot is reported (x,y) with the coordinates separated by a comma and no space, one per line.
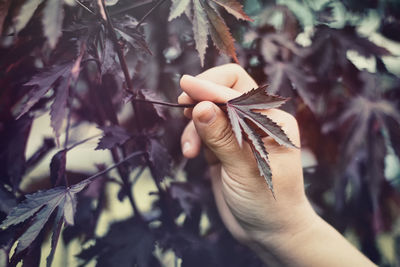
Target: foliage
(88,61)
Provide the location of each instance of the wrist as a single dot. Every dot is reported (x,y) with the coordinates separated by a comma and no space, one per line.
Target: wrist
(291,228)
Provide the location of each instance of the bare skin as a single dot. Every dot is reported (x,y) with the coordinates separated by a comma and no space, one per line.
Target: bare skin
(285,231)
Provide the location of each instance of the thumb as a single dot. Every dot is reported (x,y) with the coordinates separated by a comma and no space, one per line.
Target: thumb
(215,130)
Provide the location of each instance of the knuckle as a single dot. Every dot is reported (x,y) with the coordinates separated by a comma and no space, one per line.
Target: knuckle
(223,138)
(235,67)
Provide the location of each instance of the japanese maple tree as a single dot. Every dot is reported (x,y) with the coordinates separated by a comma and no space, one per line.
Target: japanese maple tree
(91,62)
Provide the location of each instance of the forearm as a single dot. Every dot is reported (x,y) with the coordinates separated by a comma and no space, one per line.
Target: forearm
(319,244)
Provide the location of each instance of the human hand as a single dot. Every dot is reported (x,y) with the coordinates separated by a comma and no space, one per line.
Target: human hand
(285,231)
(244,201)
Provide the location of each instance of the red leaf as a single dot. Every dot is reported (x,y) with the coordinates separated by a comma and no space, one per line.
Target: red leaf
(219,32)
(234,8)
(200,29)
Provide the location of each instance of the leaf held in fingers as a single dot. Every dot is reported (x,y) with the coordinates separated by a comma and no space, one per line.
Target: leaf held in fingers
(253,125)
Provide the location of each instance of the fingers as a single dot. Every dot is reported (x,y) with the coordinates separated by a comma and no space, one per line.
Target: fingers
(226,215)
(288,123)
(229,75)
(214,129)
(199,90)
(190,141)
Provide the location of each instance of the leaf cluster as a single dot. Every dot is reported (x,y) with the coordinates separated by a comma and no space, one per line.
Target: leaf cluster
(113,64)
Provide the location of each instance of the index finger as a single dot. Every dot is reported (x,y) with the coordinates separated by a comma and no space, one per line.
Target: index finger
(203,90)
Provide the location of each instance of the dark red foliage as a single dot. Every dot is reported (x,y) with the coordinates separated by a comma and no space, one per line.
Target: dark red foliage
(106,65)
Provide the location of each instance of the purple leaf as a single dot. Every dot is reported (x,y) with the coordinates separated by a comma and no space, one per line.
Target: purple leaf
(258,99)
(255,125)
(58,110)
(127,243)
(40,206)
(42,83)
(113,135)
(152,96)
(186,194)
(57,225)
(160,160)
(285,77)
(108,63)
(57,167)
(13,140)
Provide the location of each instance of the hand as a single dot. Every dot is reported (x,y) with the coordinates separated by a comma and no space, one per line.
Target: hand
(285,231)
(244,201)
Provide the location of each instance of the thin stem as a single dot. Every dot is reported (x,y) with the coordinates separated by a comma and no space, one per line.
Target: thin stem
(82,141)
(137,176)
(85,7)
(134,154)
(149,12)
(174,105)
(122,61)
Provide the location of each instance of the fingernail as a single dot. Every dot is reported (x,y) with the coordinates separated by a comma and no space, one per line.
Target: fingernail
(208,116)
(186,147)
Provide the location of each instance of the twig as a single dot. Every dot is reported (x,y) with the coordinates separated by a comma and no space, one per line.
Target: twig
(82,141)
(85,7)
(122,61)
(149,12)
(174,105)
(134,154)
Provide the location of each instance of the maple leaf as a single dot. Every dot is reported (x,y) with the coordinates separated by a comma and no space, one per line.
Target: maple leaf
(200,29)
(127,243)
(160,160)
(207,21)
(108,62)
(39,206)
(126,28)
(251,125)
(234,8)
(284,77)
(42,83)
(186,194)
(113,135)
(219,32)
(58,109)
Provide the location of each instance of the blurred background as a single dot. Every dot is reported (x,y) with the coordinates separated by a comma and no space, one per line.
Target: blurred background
(338,61)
